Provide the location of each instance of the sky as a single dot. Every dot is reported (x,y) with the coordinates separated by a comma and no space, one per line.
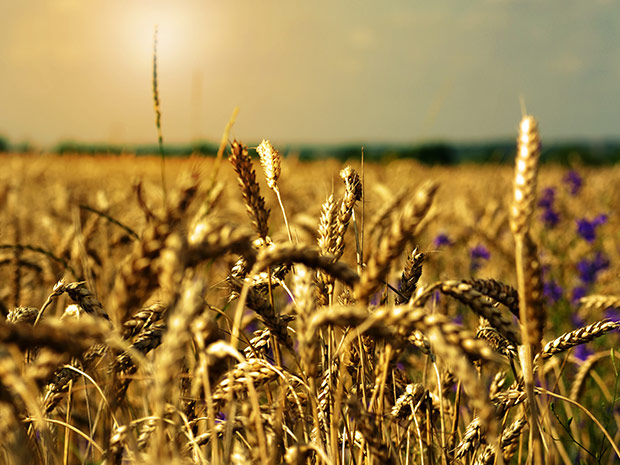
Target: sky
(325,71)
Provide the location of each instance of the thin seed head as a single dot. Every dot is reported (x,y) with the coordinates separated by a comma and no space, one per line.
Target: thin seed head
(270,161)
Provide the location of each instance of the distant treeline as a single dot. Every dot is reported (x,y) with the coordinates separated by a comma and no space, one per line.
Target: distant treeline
(584,152)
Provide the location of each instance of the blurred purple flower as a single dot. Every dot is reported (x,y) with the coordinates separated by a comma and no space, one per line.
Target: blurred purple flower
(436,297)
(480,252)
(442,239)
(550,217)
(582,352)
(477,255)
(573,182)
(547,197)
(612,313)
(600,219)
(587,229)
(552,291)
(589,269)
(578,293)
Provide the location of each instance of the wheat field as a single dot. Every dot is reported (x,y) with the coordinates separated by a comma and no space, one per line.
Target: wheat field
(260,309)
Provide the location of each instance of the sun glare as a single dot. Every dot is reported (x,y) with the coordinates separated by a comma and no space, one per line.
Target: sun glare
(172,22)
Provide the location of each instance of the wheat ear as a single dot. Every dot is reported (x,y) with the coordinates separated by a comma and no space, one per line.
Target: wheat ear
(531,316)
(578,336)
(599,302)
(254,202)
(352,194)
(271,162)
(326,238)
(410,276)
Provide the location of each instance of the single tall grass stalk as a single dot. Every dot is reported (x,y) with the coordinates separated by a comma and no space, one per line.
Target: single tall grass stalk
(160,138)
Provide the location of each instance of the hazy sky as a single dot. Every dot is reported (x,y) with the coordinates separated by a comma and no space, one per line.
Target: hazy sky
(314,71)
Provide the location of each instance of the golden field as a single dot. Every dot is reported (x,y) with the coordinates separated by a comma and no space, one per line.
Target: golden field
(168,327)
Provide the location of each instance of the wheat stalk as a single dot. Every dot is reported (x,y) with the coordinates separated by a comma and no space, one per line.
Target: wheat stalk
(156,105)
(530,311)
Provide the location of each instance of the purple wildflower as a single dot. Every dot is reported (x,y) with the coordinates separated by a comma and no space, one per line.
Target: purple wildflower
(600,219)
(547,197)
(578,293)
(582,352)
(550,217)
(589,269)
(573,182)
(480,252)
(442,239)
(587,229)
(552,291)
(477,255)
(612,313)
